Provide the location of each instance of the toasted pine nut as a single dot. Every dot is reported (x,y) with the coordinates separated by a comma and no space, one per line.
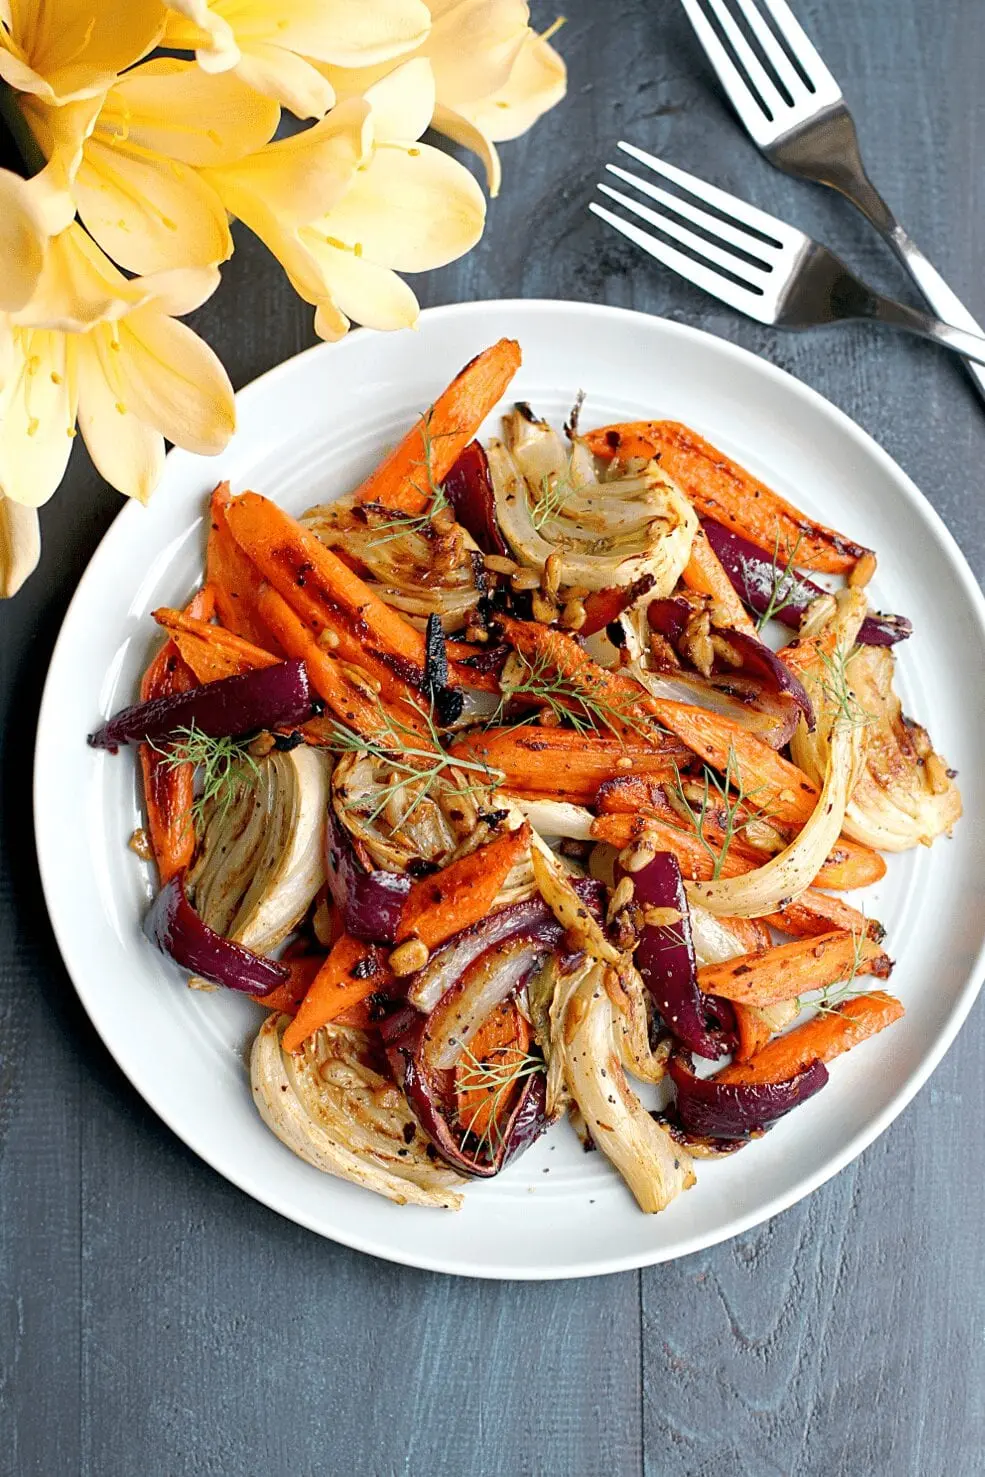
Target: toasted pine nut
(409,956)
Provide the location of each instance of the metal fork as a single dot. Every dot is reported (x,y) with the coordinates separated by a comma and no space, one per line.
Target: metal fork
(799,120)
(758,264)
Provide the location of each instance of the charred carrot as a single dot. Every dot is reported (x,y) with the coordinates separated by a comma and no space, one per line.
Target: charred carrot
(500,1046)
(352,971)
(461,893)
(757,1023)
(169,788)
(231,575)
(697,855)
(719,488)
(211,651)
(337,607)
(824,1037)
(557,763)
(791,970)
(704,573)
(348,702)
(818,912)
(287,997)
(775,786)
(404,479)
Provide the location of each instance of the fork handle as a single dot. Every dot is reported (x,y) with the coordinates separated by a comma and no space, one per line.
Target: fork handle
(971,346)
(844,171)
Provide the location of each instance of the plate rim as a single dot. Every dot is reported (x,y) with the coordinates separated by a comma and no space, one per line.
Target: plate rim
(393,1252)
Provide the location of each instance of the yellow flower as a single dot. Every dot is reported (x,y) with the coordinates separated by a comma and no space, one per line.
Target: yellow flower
(23,241)
(494,76)
(134,169)
(94,346)
(396,206)
(67,49)
(269,42)
(20,545)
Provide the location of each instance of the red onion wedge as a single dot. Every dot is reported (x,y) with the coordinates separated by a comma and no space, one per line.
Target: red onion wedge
(468,487)
(759,660)
(369,901)
(757,581)
(176,929)
(727,1110)
(665,959)
(530,919)
(270,697)
(429,1074)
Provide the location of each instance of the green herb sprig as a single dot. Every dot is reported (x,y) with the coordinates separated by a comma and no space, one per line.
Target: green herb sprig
(495,1079)
(223,766)
(727,797)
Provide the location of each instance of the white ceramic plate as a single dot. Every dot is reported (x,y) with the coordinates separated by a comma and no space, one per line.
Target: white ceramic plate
(312,428)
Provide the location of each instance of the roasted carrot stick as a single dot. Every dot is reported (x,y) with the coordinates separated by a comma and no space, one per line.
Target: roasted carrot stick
(348,702)
(558,763)
(352,971)
(791,970)
(168,788)
(704,573)
(235,580)
(501,1045)
(719,488)
(336,605)
(461,893)
(754,1030)
(818,912)
(212,651)
(288,996)
(824,1037)
(774,785)
(426,455)
(697,858)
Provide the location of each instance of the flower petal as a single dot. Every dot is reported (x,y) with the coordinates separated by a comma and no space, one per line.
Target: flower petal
(175,383)
(148,212)
(537,82)
(330,324)
(362,289)
(458,128)
(126,451)
(473,44)
(295,180)
(172,107)
(23,241)
(37,417)
(294,82)
(60,132)
(78,287)
(412,208)
(180,290)
(75,48)
(351,33)
(192,26)
(403,101)
(20,545)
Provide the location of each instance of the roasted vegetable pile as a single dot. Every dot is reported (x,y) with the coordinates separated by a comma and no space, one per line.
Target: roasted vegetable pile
(484,780)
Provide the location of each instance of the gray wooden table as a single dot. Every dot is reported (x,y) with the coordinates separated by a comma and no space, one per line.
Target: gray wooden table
(155,1320)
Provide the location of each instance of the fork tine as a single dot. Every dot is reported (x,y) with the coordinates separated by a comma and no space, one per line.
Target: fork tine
(744,299)
(745,103)
(803,49)
(756,74)
(742,239)
(727,260)
(777,57)
(729,205)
